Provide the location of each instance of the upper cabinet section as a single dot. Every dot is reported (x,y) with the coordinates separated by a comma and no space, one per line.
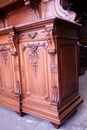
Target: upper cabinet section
(15,12)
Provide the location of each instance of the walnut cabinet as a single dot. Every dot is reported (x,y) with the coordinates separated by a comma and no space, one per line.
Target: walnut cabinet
(38,59)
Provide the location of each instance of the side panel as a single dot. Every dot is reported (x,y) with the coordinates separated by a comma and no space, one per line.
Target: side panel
(68,70)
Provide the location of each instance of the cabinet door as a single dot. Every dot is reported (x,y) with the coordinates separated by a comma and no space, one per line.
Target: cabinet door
(9,78)
(34,70)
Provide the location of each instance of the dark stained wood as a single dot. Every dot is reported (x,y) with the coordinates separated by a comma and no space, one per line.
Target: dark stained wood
(38,61)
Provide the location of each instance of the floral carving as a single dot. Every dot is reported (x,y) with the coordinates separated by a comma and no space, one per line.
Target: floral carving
(54,95)
(17,92)
(48,36)
(5,51)
(33,53)
(53,63)
(32,36)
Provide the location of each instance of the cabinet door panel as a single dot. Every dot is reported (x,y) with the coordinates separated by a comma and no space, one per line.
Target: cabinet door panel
(7,76)
(35,78)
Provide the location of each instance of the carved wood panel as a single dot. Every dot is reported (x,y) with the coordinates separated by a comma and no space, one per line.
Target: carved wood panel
(8,68)
(35,83)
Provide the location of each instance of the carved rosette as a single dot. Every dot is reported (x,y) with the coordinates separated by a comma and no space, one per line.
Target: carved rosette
(33,53)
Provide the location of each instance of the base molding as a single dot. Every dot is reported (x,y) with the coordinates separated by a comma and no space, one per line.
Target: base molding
(55,117)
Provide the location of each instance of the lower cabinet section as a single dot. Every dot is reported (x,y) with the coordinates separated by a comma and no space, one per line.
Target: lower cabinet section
(39,69)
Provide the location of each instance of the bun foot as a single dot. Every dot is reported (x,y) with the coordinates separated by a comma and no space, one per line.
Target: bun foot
(55,125)
(21,114)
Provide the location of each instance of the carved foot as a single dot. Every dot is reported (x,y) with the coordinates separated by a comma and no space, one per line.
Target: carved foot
(55,125)
(21,114)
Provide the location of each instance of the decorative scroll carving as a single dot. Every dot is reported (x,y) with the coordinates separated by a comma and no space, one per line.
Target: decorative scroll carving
(17,91)
(10,39)
(58,11)
(33,53)
(32,36)
(5,51)
(48,36)
(61,13)
(54,95)
(13,40)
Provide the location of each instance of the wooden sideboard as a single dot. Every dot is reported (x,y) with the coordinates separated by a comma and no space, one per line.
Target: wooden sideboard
(39,63)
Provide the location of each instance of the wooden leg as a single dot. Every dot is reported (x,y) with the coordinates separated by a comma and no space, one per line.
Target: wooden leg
(21,114)
(55,125)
